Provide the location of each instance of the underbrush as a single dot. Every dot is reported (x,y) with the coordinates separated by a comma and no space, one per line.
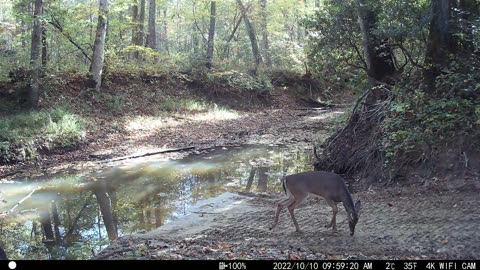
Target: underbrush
(23,135)
(412,131)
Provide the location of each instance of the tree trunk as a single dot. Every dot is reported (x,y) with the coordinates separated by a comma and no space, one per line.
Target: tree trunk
(141,25)
(378,53)
(135,22)
(262,179)
(440,42)
(56,224)
(44,45)
(263,27)
(141,215)
(35,56)
(195,42)
(227,45)
(104,202)
(250,179)
(211,34)
(164,37)
(152,37)
(46,222)
(148,216)
(99,47)
(158,217)
(135,27)
(252,36)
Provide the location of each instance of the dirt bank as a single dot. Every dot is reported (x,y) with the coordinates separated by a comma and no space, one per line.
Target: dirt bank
(414,222)
(129,118)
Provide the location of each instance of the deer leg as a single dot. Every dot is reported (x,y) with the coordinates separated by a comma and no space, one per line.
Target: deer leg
(333,222)
(280,205)
(291,208)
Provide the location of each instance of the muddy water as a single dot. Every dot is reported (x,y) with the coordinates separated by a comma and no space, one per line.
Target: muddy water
(73,217)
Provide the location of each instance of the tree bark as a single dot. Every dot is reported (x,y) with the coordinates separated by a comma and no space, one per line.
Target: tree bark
(230,37)
(211,34)
(195,41)
(99,47)
(262,179)
(56,223)
(164,37)
(440,42)
(252,36)
(46,222)
(158,217)
(135,27)
(152,37)
(263,27)
(44,45)
(148,217)
(141,25)
(104,202)
(250,179)
(378,54)
(135,22)
(35,56)
(152,32)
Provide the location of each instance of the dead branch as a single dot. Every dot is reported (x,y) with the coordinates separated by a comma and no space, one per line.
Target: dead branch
(151,154)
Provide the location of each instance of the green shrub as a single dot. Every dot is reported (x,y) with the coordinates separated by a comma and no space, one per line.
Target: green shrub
(22,134)
(417,122)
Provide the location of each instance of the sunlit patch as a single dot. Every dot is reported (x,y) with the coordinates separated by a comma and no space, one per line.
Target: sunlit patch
(324,116)
(149,123)
(215,114)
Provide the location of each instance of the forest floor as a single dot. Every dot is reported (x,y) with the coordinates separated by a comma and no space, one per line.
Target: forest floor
(434,219)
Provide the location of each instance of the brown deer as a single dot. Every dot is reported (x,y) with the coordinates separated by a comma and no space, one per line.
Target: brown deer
(328,185)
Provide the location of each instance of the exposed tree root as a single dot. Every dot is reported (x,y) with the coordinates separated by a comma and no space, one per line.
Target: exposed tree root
(357,148)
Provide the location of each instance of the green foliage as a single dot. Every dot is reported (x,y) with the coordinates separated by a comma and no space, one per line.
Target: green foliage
(334,49)
(22,134)
(418,122)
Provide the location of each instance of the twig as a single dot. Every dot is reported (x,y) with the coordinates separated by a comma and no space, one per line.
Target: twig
(22,200)
(75,220)
(204,213)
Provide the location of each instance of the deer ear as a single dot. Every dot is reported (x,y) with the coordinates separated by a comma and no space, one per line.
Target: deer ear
(358,207)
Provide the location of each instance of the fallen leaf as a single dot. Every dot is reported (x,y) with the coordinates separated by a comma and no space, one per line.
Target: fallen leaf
(225,246)
(293,257)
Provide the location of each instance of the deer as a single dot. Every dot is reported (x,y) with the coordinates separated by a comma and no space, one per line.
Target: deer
(324,184)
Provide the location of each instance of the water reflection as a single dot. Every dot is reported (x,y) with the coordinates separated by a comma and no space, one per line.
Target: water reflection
(75,217)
